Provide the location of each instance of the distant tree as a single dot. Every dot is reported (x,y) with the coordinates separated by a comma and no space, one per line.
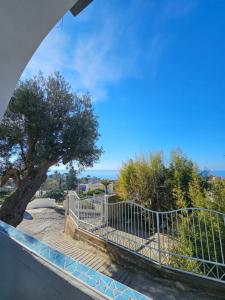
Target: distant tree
(45,124)
(71,179)
(58,178)
(106,183)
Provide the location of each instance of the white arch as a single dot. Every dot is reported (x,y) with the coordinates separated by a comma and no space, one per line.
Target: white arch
(23,25)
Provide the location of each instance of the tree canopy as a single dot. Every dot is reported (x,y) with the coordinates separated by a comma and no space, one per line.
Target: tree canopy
(106,182)
(45,124)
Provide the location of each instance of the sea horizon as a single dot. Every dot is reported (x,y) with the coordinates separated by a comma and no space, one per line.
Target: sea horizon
(113,174)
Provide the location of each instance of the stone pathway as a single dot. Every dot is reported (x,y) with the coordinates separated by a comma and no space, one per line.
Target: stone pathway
(48,224)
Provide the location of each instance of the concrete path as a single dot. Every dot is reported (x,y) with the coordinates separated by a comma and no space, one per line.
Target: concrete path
(48,224)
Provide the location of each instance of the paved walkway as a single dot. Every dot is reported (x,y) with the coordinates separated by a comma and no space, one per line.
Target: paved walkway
(48,224)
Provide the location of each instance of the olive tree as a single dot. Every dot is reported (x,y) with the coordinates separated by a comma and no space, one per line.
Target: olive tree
(45,124)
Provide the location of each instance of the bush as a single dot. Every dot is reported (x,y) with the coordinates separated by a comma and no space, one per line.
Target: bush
(58,195)
(150,182)
(94,192)
(4,194)
(142,180)
(115,199)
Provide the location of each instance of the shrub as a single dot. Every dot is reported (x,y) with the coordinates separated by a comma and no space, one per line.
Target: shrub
(58,195)
(95,192)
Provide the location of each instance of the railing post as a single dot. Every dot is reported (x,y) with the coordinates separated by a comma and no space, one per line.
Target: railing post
(78,211)
(68,204)
(158,236)
(106,214)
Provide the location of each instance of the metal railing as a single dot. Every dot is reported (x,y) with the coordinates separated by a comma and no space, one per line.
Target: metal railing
(191,240)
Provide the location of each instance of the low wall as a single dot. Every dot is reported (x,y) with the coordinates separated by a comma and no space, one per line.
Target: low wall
(41,203)
(77,234)
(24,277)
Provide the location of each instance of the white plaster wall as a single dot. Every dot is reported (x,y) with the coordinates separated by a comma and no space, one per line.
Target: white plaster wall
(23,25)
(41,203)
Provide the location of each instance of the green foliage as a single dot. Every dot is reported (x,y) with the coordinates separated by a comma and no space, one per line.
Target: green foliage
(148,181)
(94,192)
(46,124)
(216,195)
(142,180)
(3,195)
(71,179)
(106,183)
(190,233)
(184,173)
(198,234)
(114,199)
(184,248)
(57,194)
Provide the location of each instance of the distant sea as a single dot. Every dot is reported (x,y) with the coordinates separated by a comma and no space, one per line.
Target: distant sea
(103,174)
(220,173)
(112,174)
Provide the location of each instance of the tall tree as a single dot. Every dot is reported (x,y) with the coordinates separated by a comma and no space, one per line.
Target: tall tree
(71,179)
(58,178)
(45,124)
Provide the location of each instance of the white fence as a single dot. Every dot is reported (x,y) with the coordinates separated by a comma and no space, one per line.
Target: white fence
(191,240)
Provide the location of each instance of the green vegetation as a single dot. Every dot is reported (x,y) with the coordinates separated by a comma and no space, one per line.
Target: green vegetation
(152,183)
(71,179)
(45,124)
(180,184)
(3,195)
(92,192)
(58,195)
(106,183)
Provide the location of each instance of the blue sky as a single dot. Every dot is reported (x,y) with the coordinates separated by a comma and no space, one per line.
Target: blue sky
(156,71)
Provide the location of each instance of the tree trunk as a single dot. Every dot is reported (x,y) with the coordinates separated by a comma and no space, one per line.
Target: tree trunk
(14,206)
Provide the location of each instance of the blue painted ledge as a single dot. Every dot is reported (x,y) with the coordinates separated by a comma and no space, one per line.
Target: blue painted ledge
(95,280)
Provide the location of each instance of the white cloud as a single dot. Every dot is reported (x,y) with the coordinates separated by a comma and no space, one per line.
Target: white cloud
(51,54)
(100,59)
(111,50)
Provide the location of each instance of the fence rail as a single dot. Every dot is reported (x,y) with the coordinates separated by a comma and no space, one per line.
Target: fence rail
(190,240)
